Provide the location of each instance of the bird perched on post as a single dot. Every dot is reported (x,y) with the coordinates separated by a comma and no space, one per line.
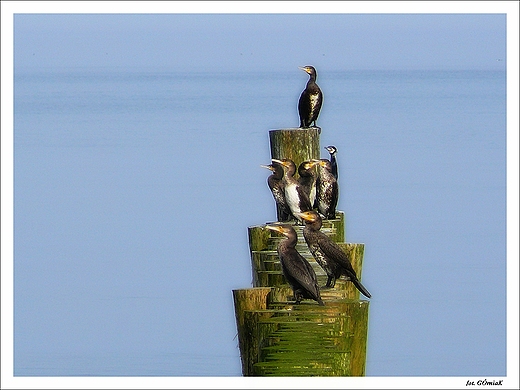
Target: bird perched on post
(311,99)
(334,261)
(327,190)
(333,163)
(276,185)
(295,268)
(295,196)
(307,180)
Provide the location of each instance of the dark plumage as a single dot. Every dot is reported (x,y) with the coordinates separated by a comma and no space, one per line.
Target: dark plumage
(327,190)
(333,163)
(296,269)
(327,253)
(276,185)
(295,196)
(307,180)
(309,105)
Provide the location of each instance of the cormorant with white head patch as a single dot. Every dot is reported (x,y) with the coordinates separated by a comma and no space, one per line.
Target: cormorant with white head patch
(327,190)
(311,99)
(333,163)
(295,196)
(276,185)
(327,253)
(295,268)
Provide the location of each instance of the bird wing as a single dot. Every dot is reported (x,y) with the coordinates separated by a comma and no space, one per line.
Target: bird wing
(297,268)
(304,97)
(316,102)
(336,254)
(305,203)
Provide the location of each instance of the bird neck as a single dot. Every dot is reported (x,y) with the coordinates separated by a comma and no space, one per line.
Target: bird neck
(314,226)
(278,175)
(289,242)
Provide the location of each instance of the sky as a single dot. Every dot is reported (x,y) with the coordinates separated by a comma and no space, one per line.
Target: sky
(223,42)
(256,42)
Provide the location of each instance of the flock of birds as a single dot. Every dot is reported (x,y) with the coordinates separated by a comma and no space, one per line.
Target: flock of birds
(308,200)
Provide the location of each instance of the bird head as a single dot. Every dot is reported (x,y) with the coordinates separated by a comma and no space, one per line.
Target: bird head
(308,69)
(324,163)
(331,149)
(308,164)
(282,229)
(310,217)
(287,164)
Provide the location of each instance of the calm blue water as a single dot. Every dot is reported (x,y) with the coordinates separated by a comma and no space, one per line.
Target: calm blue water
(134,189)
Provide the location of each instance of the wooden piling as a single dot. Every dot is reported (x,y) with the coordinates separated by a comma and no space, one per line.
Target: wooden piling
(296,144)
(281,338)
(246,302)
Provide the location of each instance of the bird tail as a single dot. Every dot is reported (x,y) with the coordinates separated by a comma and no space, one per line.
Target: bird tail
(361,288)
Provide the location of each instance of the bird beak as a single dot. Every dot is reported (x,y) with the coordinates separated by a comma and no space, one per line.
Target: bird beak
(329,149)
(270,167)
(320,162)
(274,228)
(305,215)
(277,161)
(303,68)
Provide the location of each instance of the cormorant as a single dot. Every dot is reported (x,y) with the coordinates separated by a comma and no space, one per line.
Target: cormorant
(334,164)
(327,253)
(275,183)
(307,180)
(311,99)
(295,268)
(295,196)
(327,190)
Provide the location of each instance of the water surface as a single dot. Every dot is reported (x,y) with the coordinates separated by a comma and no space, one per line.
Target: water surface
(134,189)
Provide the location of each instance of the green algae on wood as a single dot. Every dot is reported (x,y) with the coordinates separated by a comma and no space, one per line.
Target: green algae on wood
(246,300)
(296,144)
(312,340)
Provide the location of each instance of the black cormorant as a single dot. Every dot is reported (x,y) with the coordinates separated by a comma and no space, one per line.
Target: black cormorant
(327,253)
(307,180)
(295,196)
(333,163)
(276,185)
(311,99)
(295,268)
(327,190)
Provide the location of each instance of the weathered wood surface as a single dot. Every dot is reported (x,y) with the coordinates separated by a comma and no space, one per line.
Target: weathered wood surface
(296,144)
(306,339)
(247,301)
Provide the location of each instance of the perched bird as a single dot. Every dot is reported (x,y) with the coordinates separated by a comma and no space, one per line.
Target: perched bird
(295,196)
(327,190)
(276,185)
(295,268)
(307,180)
(327,253)
(311,99)
(333,163)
